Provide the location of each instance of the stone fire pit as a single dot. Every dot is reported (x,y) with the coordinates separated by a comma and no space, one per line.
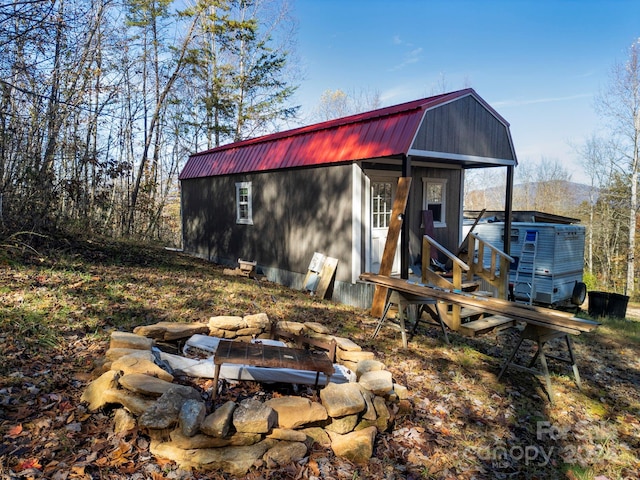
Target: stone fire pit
(234,434)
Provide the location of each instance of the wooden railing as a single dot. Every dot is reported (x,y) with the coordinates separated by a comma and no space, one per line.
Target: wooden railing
(449,312)
(497,275)
(463,275)
(430,277)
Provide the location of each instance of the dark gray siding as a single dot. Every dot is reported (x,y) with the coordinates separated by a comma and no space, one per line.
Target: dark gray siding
(447,236)
(295,213)
(464,127)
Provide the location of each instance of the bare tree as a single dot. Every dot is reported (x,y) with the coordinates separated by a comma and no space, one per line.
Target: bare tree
(101,102)
(333,104)
(49,59)
(553,192)
(477,195)
(620,105)
(539,186)
(524,194)
(147,15)
(337,103)
(596,161)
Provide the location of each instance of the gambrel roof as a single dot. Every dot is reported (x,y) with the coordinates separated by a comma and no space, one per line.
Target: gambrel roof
(429,127)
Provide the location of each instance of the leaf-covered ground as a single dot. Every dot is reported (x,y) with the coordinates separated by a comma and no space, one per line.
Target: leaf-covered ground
(60,301)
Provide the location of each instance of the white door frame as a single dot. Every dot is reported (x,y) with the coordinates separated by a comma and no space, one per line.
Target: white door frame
(380,177)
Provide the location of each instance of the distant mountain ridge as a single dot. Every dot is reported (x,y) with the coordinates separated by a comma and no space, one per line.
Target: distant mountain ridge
(556,196)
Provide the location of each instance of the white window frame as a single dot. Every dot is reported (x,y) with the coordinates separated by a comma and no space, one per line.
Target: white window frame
(388,207)
(240,218)
(426,181)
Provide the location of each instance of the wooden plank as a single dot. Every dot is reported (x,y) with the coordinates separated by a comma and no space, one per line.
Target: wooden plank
(326,275)
(484,325)
(545,317)
(310,280)
(395,225)
(465,242)
(467,312)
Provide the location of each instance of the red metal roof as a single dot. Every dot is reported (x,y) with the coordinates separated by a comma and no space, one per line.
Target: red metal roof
(379,133)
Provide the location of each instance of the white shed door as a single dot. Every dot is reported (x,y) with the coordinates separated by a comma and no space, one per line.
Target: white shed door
(382,194)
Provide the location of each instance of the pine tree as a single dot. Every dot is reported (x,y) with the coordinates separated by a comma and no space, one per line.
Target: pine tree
(243,90)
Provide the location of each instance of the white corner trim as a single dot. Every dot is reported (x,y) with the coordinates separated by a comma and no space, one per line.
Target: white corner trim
(356,222)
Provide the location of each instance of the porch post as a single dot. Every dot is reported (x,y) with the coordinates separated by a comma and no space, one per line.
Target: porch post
(508,209)
(404,237)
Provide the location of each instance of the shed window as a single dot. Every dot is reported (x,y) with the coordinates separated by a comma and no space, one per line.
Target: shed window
(434,194)
(243,203)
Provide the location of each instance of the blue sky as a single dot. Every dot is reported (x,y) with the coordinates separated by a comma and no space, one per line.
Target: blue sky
(538,63)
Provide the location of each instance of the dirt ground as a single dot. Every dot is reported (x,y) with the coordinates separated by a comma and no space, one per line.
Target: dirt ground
(461,421)
(633,311)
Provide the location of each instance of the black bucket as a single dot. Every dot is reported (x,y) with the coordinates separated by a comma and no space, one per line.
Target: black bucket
(617,305)
(598,304)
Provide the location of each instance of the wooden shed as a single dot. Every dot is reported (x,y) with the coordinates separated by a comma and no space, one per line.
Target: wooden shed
(329,188)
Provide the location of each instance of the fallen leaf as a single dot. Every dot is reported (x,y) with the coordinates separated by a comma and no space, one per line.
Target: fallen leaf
(14,431)
(163,462)
(83,376)
(313,466)
(128,468)
(28,464)
(78,469)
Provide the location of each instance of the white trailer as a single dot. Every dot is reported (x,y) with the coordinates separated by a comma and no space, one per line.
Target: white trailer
(558,264)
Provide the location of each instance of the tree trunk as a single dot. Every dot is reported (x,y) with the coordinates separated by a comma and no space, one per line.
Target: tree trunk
(154,123)
(633,212)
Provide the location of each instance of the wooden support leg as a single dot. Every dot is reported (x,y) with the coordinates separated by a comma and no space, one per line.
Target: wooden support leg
(443,326)
(431,309)
(444,332)
(419,311)
(511,357)
(535,357)
(402,313)
(574,365)
(382,318)
(545,370)
(541,336)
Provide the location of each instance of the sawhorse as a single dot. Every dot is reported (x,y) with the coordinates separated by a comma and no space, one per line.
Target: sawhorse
(403,300)
(542,335)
